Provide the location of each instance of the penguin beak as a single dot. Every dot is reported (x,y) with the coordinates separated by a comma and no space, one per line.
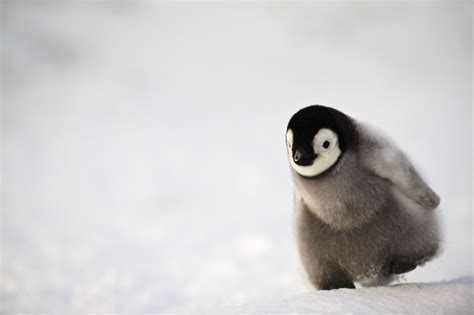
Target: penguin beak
(303,158)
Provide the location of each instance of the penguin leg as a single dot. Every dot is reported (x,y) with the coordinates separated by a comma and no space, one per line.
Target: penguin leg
(331,276)
(399,265)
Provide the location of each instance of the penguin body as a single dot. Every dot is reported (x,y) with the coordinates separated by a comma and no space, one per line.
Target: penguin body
(362,212)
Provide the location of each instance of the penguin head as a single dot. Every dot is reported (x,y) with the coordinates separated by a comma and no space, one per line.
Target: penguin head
(316,138)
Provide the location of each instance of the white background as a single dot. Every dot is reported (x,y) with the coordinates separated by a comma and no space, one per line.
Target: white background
(143,158)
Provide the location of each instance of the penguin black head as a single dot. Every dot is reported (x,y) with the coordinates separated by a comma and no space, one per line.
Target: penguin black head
(316,138)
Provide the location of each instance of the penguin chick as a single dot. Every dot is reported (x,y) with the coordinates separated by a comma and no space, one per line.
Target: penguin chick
(362,212)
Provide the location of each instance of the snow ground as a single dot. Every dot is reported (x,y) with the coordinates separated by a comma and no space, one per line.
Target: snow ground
(449,297)
(143,160)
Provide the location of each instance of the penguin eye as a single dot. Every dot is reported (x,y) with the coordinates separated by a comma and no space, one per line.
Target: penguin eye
(326,144)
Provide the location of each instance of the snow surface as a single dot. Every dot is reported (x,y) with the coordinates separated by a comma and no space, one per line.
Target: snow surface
(143,159)
(450,297)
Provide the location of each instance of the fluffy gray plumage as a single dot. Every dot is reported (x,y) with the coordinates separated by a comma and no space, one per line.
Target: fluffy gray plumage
(367,217)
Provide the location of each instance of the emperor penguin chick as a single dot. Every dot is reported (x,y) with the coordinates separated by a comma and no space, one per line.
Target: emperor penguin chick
(362,212)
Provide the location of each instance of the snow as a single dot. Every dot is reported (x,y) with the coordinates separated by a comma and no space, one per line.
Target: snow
(449,297)
(143,158)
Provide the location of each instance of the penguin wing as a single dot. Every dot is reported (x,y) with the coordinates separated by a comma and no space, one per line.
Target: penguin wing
(381,156)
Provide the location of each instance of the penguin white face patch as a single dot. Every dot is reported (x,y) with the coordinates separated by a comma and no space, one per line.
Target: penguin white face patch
(326,148)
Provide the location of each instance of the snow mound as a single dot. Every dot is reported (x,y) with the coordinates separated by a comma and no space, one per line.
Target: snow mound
(448,297)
